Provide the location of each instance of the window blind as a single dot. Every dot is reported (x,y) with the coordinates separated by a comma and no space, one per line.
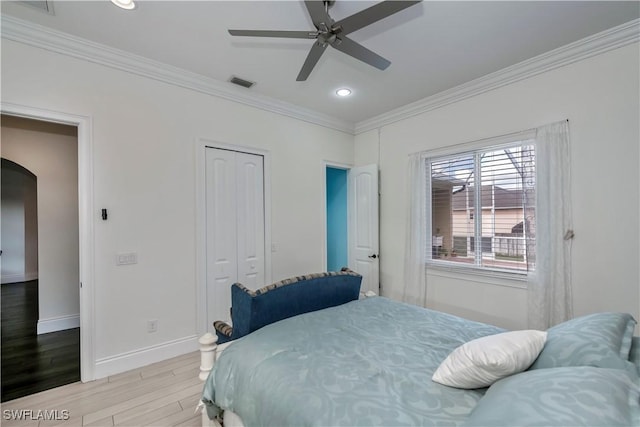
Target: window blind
(483,207)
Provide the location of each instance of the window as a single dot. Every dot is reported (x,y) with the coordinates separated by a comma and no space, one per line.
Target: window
(482,208)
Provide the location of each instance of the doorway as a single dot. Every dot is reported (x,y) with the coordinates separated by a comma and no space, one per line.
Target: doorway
(337,240)
(40,296)
(19,213)
(351,227)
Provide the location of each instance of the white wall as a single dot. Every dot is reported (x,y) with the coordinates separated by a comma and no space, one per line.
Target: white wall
(49,151)
(144,134)
(600,97)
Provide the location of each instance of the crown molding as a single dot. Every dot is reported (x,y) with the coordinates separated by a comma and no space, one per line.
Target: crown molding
(42,37)
(56,41)
(596,44)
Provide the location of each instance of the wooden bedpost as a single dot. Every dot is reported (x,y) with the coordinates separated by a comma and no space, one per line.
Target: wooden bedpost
(208,345)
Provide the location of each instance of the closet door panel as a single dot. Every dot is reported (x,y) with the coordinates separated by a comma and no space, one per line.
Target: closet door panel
(250,219)
(222,252)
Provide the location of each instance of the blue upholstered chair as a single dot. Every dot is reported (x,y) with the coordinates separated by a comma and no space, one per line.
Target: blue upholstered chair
(251,310)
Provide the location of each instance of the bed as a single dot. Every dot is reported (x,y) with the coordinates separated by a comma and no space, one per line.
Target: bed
(370,362)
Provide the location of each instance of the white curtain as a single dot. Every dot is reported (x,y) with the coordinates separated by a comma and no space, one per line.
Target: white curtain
(418,222)
(549,285)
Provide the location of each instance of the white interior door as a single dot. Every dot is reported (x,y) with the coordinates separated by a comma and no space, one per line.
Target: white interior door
(222,253)
(235,247)
(363,225)
(250,215)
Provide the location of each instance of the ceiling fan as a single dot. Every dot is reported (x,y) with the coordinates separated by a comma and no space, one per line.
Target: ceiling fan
(331,33)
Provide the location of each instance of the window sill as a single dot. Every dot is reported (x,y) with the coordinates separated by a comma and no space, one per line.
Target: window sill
(512,279)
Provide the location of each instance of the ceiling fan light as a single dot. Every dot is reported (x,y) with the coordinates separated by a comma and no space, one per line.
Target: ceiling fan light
(124,4)
(343,92)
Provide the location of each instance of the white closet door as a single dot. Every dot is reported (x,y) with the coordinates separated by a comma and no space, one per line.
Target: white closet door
(222,253)
(250,225)
(235,226)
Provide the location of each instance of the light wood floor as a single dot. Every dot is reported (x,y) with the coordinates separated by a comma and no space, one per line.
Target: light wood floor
(162,394)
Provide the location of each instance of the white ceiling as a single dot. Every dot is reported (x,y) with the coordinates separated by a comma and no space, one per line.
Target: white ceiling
(433,46)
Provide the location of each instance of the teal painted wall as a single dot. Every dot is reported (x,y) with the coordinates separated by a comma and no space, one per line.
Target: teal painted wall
(337,256)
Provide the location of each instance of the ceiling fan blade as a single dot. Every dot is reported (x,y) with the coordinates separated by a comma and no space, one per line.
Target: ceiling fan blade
(275,33)
(371,15)
(314,55)
(348,46)
(318,13)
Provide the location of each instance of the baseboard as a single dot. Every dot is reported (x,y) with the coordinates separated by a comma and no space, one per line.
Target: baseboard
(17,278)
(135,359)
(61,323)
(31,276)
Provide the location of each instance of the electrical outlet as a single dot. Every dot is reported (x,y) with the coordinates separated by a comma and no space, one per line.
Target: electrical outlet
(152,325)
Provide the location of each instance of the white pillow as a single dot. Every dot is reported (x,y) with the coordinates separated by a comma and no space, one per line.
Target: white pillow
(481,362)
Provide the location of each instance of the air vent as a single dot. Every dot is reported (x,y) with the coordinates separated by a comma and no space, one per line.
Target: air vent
(241,82)
(45,6)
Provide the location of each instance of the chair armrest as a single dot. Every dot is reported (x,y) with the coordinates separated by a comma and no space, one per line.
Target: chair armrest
(223,330)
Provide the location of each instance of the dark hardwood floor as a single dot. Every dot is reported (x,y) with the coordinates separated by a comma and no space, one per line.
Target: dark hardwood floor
(32,363)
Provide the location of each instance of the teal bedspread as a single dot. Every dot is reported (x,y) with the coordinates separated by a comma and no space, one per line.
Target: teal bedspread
(367,362)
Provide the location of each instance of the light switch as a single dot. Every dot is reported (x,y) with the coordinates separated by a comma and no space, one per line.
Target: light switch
(127,258)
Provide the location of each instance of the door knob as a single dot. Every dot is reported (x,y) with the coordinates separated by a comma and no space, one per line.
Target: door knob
(374,256)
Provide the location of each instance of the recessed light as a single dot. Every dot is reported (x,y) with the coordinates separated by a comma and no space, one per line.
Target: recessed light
(124,4)
(343,92)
